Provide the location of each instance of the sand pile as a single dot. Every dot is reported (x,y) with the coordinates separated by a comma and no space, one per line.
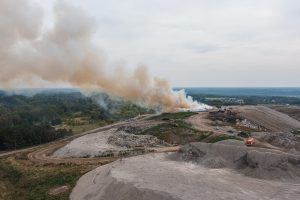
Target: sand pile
(197,171)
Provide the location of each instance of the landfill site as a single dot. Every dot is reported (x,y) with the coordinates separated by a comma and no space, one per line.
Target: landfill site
(236,152)
(149,100)
(147,167)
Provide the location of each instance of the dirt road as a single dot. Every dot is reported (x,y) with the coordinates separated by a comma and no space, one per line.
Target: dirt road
(201,122)
(65,140)
(42,154)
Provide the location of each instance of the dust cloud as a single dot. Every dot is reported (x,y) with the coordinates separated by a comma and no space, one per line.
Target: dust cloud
(65,54)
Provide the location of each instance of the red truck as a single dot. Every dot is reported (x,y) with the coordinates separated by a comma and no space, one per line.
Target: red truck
(250,141)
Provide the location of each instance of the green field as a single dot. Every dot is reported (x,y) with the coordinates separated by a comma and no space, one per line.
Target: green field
(175,130)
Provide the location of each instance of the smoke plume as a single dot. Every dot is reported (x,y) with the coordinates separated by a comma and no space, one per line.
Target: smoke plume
(65,53)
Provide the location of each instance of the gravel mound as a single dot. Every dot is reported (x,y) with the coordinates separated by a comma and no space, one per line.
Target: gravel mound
(160,176)
(255,162)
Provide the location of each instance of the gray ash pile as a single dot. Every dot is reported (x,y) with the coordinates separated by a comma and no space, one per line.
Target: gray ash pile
(251,161)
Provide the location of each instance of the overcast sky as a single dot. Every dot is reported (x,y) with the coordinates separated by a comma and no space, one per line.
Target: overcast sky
(199,42)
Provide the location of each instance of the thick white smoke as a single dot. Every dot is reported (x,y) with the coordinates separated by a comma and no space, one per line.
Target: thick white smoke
(65,54)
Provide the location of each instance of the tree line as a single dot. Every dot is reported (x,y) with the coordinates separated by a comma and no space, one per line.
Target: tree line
(31,120)
(27,121)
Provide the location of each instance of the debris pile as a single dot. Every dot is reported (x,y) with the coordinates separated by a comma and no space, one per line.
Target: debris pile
(283,140)
(128,140)
(112,142)
(248,124)
(244,134)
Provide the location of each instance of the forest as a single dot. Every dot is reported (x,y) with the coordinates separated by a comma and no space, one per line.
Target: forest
(40,118)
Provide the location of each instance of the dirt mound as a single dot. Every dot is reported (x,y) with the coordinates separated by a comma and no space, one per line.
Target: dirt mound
(156,176)
(124,139)
(268,118)
(255,162)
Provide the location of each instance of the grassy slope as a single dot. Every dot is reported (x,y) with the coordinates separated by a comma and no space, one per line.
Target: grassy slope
(22,179)
(178,115)
(175,130)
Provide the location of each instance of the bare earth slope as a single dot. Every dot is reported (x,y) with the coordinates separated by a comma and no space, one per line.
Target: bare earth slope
(267,117)
(194,173)
(106,143)
(293,111)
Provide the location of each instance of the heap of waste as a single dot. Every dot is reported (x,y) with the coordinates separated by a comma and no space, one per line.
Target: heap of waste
(112,142)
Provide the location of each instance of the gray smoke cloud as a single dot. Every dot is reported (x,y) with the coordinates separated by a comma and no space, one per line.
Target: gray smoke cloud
(65,53)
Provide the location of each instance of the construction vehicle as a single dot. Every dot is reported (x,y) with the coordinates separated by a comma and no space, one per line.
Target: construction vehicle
(250,141)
